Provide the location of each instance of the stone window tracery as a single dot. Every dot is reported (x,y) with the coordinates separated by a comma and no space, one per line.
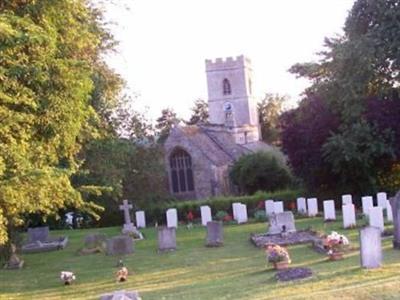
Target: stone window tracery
(181,171)
(226,87)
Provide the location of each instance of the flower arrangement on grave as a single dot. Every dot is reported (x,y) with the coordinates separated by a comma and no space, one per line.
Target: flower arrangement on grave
(336,244)
(277,255)
(122,274)
(67,277)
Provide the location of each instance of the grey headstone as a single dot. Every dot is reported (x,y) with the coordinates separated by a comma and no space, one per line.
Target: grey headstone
(215,234)
(166,238)
(282,222)
(370,247)
(94,240)
(395,205)
(121,295)
(40,234)
(120,245)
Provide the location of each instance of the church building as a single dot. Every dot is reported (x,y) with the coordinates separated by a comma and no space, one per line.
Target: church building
(198,157)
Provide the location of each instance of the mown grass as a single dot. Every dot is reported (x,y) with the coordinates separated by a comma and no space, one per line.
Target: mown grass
(236,271)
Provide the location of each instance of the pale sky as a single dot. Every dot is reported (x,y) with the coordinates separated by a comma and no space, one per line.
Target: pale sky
(163,44)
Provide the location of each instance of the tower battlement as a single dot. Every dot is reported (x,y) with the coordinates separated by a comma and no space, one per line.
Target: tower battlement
(228,62)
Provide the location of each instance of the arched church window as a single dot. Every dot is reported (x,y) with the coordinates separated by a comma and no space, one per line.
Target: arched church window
(226,87)
(181,171)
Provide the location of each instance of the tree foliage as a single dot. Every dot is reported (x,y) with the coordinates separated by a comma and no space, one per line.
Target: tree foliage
(360,65)
(165,123)
(266,171)
(199,112)
(50,54)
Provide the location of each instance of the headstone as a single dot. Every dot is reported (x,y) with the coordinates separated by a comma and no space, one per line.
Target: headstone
(94,240)
(278,207)
(382,199)
(241,212)
(301,205)
(205,214)
(140,219)
(329,210)
(128,225)
(349,216)
(389,212)
(282,222)
(172,218)
(395,204)
(166,238)
(370,247)
(269,207)
(312,205)
(215,234)
(119,245)
(121,295)
(367,203)
(234,210)
(375,216)
(347,199)
(38,234)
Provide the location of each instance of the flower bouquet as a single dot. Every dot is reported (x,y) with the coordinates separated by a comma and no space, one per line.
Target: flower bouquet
(67,277)
(278,256)
(336,244)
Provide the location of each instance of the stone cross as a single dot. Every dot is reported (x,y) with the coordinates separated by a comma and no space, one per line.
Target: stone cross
(126,207)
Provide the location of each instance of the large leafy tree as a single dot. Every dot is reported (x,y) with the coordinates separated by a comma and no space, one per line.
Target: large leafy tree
(165,123)
(199,112)
(361,64)
(49,60)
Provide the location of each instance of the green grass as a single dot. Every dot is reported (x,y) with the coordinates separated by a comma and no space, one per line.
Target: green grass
(236,271)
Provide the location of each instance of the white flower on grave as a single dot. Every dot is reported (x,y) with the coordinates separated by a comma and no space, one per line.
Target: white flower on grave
(67,277)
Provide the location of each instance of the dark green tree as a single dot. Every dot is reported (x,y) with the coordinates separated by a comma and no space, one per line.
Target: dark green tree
(199,112)
(165,123)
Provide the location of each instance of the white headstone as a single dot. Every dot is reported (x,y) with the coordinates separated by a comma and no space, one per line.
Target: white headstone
(301,205)
(234,210)
(329,210)
(269,207)
(312,205)
(370,247)
(241,213)
(278,207)
(389,212)
(382,199)
(140,219)
(172,218)
(367,203)
(375,215)
(349,215)
(205,214)
(347,199)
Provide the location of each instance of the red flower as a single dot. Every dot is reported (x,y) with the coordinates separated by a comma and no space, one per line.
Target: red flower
(190,216)
(260,204)
(227,218)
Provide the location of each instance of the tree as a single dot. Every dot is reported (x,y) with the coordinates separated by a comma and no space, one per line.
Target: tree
(50,53)
(269,110)
(165,123)
(265,171)
(199,112)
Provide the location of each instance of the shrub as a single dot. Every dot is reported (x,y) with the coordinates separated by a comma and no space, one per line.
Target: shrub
(221,215)
(261,171)
(260,215)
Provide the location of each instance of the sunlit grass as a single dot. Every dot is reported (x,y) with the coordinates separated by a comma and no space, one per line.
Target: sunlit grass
(236,271)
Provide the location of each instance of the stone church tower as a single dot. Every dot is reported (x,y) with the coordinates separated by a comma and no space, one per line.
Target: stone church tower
(198,157)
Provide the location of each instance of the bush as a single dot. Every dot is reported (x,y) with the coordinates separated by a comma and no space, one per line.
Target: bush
(221,215)
(260,215)
(265,171)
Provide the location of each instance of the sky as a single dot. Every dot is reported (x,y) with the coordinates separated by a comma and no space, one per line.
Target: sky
(163,44)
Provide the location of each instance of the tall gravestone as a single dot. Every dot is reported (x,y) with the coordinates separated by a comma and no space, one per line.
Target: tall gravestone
(166,238)
(389,211)
(269,207)
(128,225)
(347,199)
(329,210)
(241,212)
(395,204)
(281,223)
(205,211)
(312,204)
(370,247)
(172,218)
(140,219)
(367,202)
(278,207)
(349,216)
(215,234)
(382,199)
(301,205)
(376,217)
(235,210)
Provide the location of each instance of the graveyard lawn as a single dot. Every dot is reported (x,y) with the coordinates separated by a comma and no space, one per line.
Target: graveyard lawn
(238,270)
